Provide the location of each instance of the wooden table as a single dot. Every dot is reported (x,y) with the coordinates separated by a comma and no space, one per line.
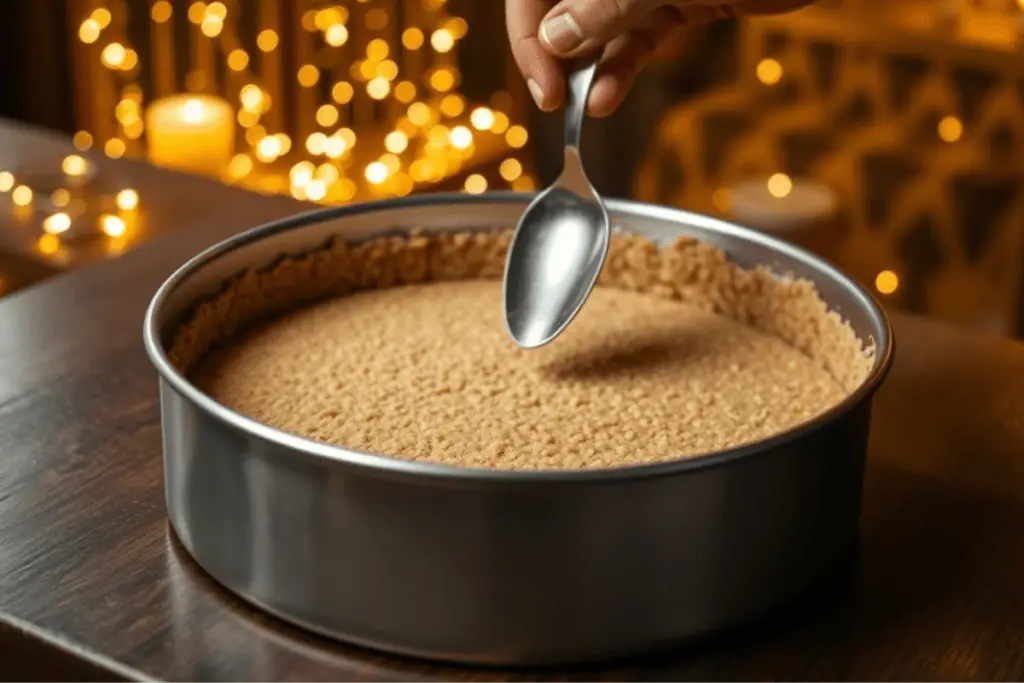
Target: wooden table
(93,584)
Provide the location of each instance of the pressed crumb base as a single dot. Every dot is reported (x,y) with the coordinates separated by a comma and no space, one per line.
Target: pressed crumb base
(704,357)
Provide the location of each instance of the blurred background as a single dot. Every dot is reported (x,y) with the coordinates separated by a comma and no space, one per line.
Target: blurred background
(885,136)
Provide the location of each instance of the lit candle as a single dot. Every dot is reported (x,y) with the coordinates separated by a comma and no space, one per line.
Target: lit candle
(191,133)
(795,210)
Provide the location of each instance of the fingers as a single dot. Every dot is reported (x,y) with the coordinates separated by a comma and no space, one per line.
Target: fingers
(575,27)
(627,54)
(541,70)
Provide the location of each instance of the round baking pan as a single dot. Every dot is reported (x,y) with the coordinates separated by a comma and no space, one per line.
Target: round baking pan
(507,567)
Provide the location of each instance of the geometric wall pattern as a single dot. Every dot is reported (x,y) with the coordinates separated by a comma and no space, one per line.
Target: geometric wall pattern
(912,113)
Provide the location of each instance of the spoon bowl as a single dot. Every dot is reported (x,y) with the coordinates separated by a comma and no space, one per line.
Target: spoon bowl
(561,241)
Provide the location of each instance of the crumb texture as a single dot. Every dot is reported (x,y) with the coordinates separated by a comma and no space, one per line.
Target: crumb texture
(678,353)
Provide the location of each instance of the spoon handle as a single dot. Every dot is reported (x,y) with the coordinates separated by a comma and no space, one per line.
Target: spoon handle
(580,78)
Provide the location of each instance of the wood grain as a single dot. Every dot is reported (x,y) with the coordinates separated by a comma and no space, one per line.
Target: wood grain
(93,585)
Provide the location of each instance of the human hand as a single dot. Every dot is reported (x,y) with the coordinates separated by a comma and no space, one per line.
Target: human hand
(542,32)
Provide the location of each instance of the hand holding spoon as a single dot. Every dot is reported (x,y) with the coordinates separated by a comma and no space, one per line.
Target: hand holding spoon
(561,242)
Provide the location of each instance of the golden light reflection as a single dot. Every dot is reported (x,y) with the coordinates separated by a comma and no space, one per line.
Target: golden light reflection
(887,282)
(48,244)
(769,71)
(780,185)
(476,184)
(127,200)
(22,195)
(74,166)
(112,226)
(950,128)
(56,224)
(6,181)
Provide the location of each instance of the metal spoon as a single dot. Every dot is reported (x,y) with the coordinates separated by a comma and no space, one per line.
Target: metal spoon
(561,241)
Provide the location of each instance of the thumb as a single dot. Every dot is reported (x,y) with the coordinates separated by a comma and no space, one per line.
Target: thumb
(574,27)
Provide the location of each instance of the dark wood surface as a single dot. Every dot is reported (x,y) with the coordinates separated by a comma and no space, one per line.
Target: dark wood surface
(93,585)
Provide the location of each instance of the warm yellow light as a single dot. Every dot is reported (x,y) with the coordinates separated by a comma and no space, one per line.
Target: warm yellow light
(376,19)
(517,137)
(377,49)
(267,40)
(60,198)
(524,184)
(442,80)
(57,223)
(74,166)
(887,282)
(197,12)
(48,244)
(364,69)
(452,105)
(126,111)
(780,185)
(301,173)
(6,181)
(412,38)
(308,75)
(461,137)
(240,166)
(327,173)
(194,111)
(218,10)
(951,128)
(89,31)
(721,199)
(133,129)
(342,92)
(419,113)
(211,27)
(346,189)
(392,162)
(327,115)
(284,141)
(247,118)
(127,200)
(255,134)
(161,11)
(510,169)
(769,71)
(388,70)
(336,35)
(419,171)
(251,97)
(376,173)
(82,140)
(439,136)
(378,88)
(316,190)
(101,15)
(476,184)
(458,26)
(112,226)
(330,16)
(442,40)
(501,123)
(482,118)
(348,136)
(238,59)
(396,142)
(268,149)
(195,80)
(405,92)
(334,147)
(114,148)
(113,55)
(130,61)
(315,143)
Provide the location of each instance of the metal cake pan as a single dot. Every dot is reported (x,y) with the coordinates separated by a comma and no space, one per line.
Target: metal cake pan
(498,567)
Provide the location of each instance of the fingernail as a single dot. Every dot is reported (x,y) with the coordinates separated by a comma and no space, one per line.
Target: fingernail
(537,92)
(562,33)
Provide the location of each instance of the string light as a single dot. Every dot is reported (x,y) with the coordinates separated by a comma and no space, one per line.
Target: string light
(431,139)
(6,181)
(887,282)
(112,226)
(22,195)
(769,71)
(57,223)
(127,200)
(950,129)
(780,185)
